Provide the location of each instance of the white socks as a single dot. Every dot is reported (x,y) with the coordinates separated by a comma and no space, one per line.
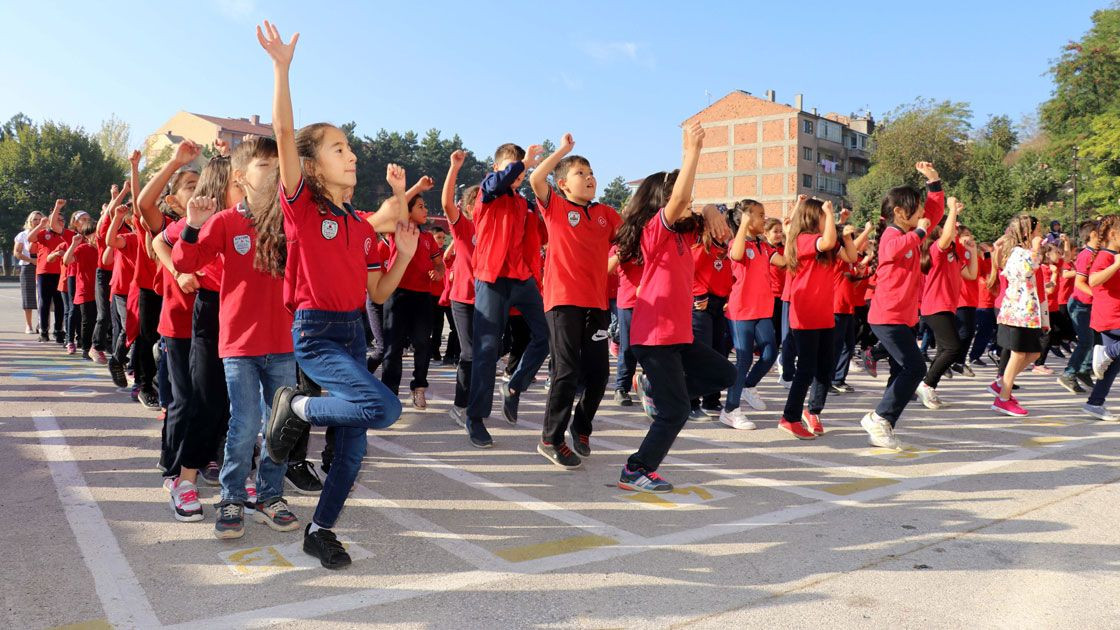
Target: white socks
(299,406)
(315,527)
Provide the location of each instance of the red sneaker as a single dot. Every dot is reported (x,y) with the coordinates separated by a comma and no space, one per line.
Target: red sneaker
(796,429)
(812,422)
(1010,407)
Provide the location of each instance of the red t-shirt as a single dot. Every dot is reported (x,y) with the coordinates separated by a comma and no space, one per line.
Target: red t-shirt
(575,270)
(462,271)
(970,289)
(124,263)
(629,278)
(663,310)
(252,318)
(415,276)
(711,271)
(47,243)
(843,295)
(146,267)
(1065,285)
(1081,265)
(177,313)
(777,275)
(508,242)
(986,298)
(1106,297)
(612,285)
(102,229)
(85,276)
(750,294)
(330,255)
(861,290)
(1051,297)
(943,285)
(896,287)
(811,288)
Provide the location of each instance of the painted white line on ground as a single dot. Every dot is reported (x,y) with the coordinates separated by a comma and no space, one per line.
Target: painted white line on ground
(121,594)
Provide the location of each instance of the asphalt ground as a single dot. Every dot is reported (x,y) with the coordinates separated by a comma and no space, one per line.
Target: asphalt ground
(983,521)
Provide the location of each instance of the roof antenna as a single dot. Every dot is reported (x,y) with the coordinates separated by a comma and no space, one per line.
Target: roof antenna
(709,95)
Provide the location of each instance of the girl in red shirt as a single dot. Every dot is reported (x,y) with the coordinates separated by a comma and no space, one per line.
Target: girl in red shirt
(80,222)
(811,252)
(968,303)
(711,286)
(658,230)
(775,237)
(1105,316)
(1051,281)
(82,257)
(462,280)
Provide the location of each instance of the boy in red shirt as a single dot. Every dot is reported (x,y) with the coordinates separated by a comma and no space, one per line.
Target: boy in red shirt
(507,249)
(1080,311)
(1105,317)
(575,299)
(83,257)
(49,241)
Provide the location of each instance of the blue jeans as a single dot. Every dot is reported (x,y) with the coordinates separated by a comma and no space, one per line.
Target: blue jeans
(843,344)
(1111,339)
(331,349)
(789,347)
(627,362)
(985,332)
(746,334)
(251,382)
(1081,359)
(908,368)
(492,301)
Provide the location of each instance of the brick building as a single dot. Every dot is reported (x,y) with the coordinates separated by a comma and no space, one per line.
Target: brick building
(761,149)
(203,130)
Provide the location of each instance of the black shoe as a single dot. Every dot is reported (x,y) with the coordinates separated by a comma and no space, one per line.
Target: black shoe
(978,362)
(302,477)
(449,361)
(116,370)
(1070,384)
(841,388)
(480,437)
(435,358)
(560,455)
(305,386)
(44,338)
(697,415)
(581,444)
(623,398)
(712,411)
(1057,351)
(1086,379)
(509,404)
(284,428)
(324,545)
(149,398)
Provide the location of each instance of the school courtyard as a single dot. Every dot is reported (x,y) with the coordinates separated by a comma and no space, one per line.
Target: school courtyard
(983,521)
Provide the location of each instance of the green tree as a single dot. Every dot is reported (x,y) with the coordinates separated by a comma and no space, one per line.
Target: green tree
(616,194)
(1086,80)
(1101,164)
(114,138)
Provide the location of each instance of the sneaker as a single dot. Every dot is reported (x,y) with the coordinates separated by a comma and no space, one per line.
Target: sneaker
(581,444)
(303,479)
(27,330)
(275,514)
(1057,351)
(870,365)
(622,398)
(459,415)
(967,371)
(929,397)
(251,492)
(560,455)
(184,500)
(1099,412)
(753,400)
(284,428)
(812,421)
(736,420)
(978,362)
(614,349)
(856,364)
(1070,384)
(841,388)
(480,437)
(1101,361)
(642,480)
(1042,369)
(211,473)
(231,521)
(784,383)
(71,348)
(697,414)
(419,401)
(880,433)
(135,394)
(1010,407)
(324,545)
(116,371)
(642,389)
(995,388)
(99,357)
(1085,378)
(796,429)
(162,415)
(149,398)
(510,401)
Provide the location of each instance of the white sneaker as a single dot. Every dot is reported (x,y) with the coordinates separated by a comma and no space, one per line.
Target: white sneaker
(459,415)
(736,420)
(751,397)
(185,506)
(1100,412)
(786,384)
(1101,361)
(879,432)
(929,397)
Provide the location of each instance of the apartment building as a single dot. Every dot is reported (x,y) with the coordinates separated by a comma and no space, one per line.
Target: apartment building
(203,130)
(761,149)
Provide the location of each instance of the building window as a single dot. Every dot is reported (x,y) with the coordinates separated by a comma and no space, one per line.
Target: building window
(807,181)
(807,153)
(807,126)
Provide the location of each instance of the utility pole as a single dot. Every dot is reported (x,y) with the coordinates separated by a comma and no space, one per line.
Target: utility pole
(1075,229)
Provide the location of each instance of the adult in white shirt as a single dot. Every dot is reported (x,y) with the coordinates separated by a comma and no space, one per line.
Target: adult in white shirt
(26,262)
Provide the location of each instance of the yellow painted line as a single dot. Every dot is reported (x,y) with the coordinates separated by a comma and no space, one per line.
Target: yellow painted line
(96,624)
(1043,441)
(554,548)
(255,558)
(852,487)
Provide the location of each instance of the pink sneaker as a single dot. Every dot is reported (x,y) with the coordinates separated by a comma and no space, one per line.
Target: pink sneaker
(71,348)
(995,388)
(1010,407)
(99,357)
(1042,369)
(614,349)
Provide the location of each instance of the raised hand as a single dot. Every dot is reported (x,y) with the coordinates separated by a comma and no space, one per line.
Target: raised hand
(693,137)
(395,176)
(954,204)
(458,156)
(134,158)
(222,147)
(716,224)
(405,238)
(927,169)
(113,190)
(59,204)
(199,209)
(186,152)
(426,183)
(532,156)
(827,207)
(121,210)
(923,223)
(280,52)
(78,238)
(844,214)
(567,142)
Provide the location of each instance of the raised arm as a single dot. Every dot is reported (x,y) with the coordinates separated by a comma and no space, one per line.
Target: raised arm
(539,177)
(380,285)
(861,240)
(48,221)
(68,255)
(395,209)
(827,241)
(949,232)
(681,198)
(283,123)
(150,196)
(447,196)
(112,237)
(969,271)
(738,247)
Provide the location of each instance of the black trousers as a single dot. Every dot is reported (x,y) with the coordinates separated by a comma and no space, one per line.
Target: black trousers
(516,340)
(949,346)
(577,337)
(966,331)
(88,313)
(103,329)
(119,347)
(439,314)
(181,411)
(408,315)
(463,316)
(50,298)
(145,368)
(676,374)
(815,367)
(208,382)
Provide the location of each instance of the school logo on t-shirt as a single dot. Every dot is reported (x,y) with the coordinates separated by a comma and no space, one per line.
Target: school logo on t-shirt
(368,244)
(602,221)
(750,253)
(910,254)
(474,239)
(951,257)
(573,218)
(718,264)
(242,243)
(330,229)
(967,255)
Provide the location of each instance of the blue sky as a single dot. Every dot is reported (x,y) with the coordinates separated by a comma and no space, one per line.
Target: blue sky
(620,75)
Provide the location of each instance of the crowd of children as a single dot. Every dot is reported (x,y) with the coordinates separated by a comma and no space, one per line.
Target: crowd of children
(272,303)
